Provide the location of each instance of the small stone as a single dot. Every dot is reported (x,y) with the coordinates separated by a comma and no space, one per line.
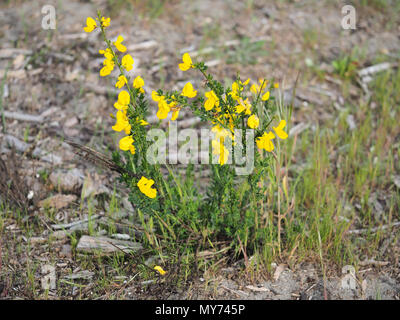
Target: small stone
(67,181)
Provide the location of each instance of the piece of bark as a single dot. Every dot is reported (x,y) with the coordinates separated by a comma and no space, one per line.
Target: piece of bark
(105,245)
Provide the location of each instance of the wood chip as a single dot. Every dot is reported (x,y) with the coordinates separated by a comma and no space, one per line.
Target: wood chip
(105,245)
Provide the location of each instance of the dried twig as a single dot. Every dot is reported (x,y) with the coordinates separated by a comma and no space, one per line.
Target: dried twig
(98,158)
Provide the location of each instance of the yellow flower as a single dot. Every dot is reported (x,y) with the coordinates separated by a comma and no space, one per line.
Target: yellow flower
(144,185)
(188,91)
(221,133)
(126,143)
(163,109)
(155,96)
(118,44)
(121,82)
(138,83)
(142,122)
(160,270)
(246,82)
(108,63)
(276,85)
(279,130)
(211,101)
(235,91)
(105,22)
(219,149)
(107,54)
(123,100)
(253,122)
(127,62)
(122,123)
(187,62)
(105,71)
(244,105)
(90,25)
(264,142)
(265,96)
(259,88)
(175,114)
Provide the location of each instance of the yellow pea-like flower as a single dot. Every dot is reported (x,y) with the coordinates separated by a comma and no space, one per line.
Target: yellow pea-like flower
(122,123)
(90,24)
(160,270)
(142,122)
(246,82)
(124,98)
(118,44)
(279,130)
(212,100)
(163,109)
(175,114)
(221,133)
(121,82)
(126,143)
(145,186)
(244,106)
(138,83)
(254,88)
(265,96)
(105,71)
(265,141)
(107,54)
(235,91)
(253,121)
(276,85)
(188,91)
(105,22)
(127,62)
(155,96)
(187,62)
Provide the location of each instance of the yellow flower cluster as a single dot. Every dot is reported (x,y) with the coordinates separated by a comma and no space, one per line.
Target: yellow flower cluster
(260,89)
(124,97)
(108,62)
(164,107)
(265,141)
